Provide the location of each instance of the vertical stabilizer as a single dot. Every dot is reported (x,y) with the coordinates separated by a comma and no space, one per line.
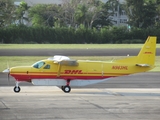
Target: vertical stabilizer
(147,54)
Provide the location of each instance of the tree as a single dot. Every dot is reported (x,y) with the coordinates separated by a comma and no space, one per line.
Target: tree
(90,13)
(141,13)
(21,13)
(97,15)
(45,14)
(93,13)
(7,12)
(134,12)
(81,14)
(157,22)
(149,14)
(106,12)
(69,7)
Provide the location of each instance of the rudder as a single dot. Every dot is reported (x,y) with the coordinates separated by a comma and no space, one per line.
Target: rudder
(148,52)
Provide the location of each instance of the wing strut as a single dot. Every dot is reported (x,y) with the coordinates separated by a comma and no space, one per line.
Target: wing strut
(59,70)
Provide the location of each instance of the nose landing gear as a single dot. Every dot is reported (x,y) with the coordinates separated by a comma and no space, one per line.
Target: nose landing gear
(17,89)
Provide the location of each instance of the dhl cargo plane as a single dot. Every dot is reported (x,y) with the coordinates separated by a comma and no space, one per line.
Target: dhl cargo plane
(65,72)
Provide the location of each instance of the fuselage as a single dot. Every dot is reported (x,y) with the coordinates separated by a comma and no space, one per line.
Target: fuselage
(86,70)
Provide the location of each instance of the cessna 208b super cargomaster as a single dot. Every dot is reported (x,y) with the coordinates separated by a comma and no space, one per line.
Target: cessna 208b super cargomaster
(65,72)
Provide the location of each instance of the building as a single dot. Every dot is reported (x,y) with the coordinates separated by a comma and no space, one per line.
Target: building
(33,2)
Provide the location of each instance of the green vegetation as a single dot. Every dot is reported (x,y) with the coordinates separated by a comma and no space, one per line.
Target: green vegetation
(82,35)
(71,46)
(24,61)
(89,13)
(79,22)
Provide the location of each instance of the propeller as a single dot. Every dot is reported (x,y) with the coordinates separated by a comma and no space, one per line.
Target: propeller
(8,78)
(8,73)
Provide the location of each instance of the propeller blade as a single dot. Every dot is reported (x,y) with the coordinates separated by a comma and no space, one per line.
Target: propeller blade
(8,73)
(8,79)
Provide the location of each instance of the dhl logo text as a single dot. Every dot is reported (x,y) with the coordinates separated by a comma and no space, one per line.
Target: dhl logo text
(120,67)
(73,72)
(148,53)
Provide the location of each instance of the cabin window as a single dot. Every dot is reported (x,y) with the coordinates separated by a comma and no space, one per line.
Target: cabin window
(47,67)
(38,64)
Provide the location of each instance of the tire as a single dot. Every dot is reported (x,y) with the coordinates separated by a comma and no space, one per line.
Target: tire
(17,89)
(66,89)
(62,88)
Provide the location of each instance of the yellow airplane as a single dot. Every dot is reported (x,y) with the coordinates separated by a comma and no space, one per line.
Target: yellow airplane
(65,72)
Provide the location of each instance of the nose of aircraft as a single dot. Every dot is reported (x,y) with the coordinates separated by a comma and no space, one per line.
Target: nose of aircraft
(6,71)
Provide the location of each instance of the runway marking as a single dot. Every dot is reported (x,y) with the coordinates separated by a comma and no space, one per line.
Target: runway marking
(3,106)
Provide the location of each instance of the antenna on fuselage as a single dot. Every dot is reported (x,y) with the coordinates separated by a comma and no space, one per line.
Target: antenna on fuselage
(112,59)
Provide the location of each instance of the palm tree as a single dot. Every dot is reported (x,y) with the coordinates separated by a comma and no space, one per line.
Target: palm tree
(21,13)
(80,14)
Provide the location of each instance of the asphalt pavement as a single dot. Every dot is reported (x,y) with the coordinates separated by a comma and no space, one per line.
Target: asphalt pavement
(71,52)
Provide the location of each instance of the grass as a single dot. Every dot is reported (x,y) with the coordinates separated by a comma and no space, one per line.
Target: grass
(27,60)
(69,46)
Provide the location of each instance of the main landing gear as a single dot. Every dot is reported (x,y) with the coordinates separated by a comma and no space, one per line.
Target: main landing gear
(17,89)
(66,88)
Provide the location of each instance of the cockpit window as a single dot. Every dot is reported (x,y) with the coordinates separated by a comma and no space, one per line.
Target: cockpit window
(47,67)
(38,64)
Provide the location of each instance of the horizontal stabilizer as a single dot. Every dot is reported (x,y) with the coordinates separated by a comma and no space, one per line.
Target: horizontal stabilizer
(142,65)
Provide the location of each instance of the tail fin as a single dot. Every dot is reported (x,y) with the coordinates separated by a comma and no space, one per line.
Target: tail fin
(146,56)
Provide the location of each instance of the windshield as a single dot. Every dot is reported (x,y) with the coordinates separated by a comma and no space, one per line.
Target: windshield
(38,64)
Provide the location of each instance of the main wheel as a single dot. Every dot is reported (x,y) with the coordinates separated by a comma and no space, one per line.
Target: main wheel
(17,89)
(66,89)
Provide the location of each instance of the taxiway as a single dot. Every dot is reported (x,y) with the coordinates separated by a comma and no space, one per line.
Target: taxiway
(50,103)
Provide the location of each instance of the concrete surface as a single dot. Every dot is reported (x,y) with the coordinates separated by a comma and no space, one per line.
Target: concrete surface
(50,103)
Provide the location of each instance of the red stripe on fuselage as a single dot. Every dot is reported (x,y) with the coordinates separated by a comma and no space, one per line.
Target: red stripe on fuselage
(26,77)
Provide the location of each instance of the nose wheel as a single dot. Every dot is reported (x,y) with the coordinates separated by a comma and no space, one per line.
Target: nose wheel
(17,89)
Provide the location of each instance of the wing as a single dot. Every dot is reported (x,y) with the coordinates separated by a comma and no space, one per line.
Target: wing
(69,62)
(63,60)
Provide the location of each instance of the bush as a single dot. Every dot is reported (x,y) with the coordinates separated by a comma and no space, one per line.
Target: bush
(135,41)
(65,35)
